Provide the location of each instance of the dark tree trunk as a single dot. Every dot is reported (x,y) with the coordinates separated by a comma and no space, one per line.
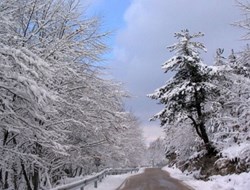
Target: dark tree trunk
(5,180)
(26,177)
(6,184)
(200,126)
(15,177)
(35,178)
(6,134)
(203,133)
(1,178)
(80,173)
(209,147)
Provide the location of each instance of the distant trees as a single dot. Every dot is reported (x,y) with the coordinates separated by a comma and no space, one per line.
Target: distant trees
(130,147)
(57,113)
(156,153)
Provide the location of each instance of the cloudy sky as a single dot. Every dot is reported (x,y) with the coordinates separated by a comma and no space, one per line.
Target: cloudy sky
(142,31)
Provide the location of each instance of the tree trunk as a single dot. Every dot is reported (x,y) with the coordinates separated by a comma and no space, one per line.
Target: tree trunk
(210,148)
(6,185)
(25,176)
(200,126)
(5,180)
(203,133)
(80,172)
(1,178)
(15,177)
(35,178)
(6,134)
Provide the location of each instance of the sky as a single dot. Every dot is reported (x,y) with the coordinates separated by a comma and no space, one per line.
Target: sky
(141,31)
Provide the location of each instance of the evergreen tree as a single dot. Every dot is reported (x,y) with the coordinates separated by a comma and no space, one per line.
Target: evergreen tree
(187,94)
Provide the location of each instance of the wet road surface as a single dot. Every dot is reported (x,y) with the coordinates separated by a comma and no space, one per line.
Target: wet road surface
(152,179)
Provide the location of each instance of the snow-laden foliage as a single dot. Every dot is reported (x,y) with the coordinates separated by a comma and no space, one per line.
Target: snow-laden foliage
(181,142)
(185,96)
(229,128)
(58,114)
(130,147)
(24,99)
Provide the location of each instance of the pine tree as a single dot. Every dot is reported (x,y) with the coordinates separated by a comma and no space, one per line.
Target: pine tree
(186,95)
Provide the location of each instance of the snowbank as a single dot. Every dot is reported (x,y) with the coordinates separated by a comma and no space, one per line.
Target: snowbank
(242,151)
(229,182)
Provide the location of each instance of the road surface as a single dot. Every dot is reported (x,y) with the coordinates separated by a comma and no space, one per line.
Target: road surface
(152,179)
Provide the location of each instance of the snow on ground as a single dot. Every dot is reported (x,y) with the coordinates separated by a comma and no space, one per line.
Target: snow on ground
(111,182)
(237,151)
(229,182)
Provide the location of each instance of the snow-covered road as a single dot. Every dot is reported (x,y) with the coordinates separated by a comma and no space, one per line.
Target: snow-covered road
(152,179)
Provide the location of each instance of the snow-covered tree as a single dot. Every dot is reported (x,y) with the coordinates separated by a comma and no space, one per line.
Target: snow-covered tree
(156,153)
(185,96)
(57,112)
(230,125)
(133,143)
(24,110)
